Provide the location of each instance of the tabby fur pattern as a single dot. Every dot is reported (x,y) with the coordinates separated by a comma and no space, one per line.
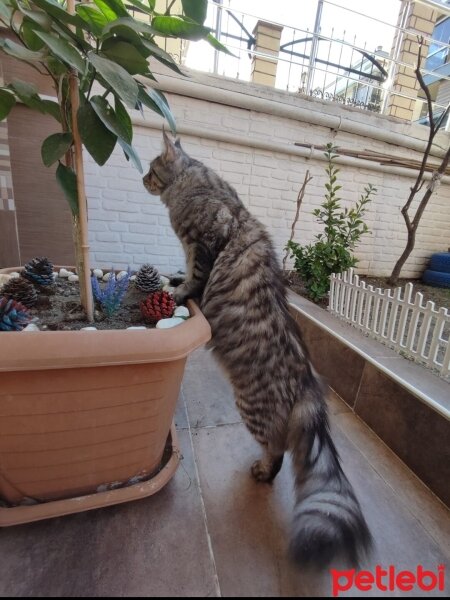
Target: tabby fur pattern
(233,271)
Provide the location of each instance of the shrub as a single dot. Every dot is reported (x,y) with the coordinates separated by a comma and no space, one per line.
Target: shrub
(343,228)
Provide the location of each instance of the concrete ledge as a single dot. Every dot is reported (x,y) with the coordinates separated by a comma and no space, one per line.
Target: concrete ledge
(406,406)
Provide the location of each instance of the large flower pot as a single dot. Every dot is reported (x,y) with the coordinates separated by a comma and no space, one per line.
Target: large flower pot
(85,416)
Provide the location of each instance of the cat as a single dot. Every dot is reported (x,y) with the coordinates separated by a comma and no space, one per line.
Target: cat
(233,271)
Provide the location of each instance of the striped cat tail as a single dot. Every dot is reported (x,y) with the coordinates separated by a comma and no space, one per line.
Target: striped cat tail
(328,521)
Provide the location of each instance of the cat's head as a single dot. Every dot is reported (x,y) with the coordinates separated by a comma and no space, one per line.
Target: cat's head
(165,168)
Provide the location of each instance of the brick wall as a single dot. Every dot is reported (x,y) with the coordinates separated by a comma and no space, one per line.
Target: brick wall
(130,227)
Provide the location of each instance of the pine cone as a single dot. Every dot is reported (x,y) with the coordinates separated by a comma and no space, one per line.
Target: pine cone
(13,315)
(39,270)
(20,290)
(159,305)
(148,279)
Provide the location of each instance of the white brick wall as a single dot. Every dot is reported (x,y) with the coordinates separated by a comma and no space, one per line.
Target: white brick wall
(130,227)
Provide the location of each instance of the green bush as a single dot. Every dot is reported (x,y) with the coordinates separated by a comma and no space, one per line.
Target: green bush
(343,228)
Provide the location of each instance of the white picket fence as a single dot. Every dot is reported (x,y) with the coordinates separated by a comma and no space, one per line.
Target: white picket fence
(417,330)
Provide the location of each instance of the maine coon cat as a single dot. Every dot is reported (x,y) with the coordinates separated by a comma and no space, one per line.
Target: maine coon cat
(233,271)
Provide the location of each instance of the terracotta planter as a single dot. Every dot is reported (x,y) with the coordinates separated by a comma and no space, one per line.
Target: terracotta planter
(85,415)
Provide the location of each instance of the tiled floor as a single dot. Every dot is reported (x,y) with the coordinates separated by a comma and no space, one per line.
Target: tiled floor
(213,531)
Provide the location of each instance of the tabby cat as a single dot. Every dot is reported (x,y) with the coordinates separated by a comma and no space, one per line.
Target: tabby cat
(232,269)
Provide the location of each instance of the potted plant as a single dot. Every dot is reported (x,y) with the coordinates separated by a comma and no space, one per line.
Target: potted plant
(85,415)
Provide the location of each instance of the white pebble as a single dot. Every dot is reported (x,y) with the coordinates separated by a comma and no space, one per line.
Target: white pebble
(133,278)
(98,273)
(88,329)
(55,275)
(137,327)
(14,275)
(4,278)
(108,276)
(31,327)
(181,311)
(73,278)
(121,275)
(168,323)
(64,273)
(164,280)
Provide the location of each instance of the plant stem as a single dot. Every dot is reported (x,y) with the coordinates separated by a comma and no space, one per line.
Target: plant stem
(80,221)
(300,197)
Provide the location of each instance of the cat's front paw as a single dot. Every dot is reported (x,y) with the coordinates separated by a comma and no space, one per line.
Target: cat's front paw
(180,295)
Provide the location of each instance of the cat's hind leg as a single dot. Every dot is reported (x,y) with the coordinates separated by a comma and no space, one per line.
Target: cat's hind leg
(267,468)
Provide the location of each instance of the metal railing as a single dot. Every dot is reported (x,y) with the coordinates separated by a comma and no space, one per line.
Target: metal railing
(321,61)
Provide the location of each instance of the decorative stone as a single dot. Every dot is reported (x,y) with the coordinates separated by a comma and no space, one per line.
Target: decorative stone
(98,273)
(64,273)
(73,278)
(55,275)
(14,275)
(4,278)
(137,327)
(169,289)
(107,276)
(133,278)
(88,329)
(169,323)
(31,327)
(164,280)
(121,275)
(182,312)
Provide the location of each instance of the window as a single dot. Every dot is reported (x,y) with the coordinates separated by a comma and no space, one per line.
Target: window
(437,55)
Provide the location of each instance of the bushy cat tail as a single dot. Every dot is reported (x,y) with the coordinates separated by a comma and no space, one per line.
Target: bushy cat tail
(328,521)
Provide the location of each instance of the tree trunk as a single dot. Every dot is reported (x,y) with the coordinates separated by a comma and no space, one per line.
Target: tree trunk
(393,279)
(80,221)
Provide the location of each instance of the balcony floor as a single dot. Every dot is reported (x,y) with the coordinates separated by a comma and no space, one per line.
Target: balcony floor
(213,531)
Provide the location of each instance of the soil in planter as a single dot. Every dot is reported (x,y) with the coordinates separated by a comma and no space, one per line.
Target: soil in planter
(59,309)
(440,296)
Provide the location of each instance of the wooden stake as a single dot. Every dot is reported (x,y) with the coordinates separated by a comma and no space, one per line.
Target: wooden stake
(81,221)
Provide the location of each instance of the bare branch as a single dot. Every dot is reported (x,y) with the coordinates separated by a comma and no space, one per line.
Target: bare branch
(300,197)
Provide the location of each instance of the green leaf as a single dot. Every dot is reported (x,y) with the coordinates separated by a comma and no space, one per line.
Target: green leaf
(64,51)
(28,34)
(162,56)
(112,8)
(130,23)
(123,117)
(52,108)
(218,45)
(120,126)
(68,182)
(125,55)
(99,140)
(180,28)
(156,102)
(93,17)
(20,52)
(56,11)
(195,9)
(141,6)
(131,154)
(54,147)
(38,17)
(117,77)
(28,93)
(5,13)
(7,101)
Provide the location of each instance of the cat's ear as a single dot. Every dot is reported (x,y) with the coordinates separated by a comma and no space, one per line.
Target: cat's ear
(170,150)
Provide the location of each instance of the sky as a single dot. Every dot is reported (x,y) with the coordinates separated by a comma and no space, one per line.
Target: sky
(297,16)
